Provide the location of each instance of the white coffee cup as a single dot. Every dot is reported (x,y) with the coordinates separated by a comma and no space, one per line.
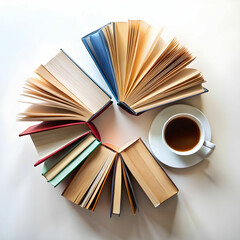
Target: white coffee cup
(203,147)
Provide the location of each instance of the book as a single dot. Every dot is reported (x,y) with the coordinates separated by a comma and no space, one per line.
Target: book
(133,158)
(141,69)
(121,169)
(116,187)
(59,137)
(86,186)
(62,91)
(57,169)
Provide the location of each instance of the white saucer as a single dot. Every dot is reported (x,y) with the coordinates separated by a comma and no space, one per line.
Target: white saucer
(160,151)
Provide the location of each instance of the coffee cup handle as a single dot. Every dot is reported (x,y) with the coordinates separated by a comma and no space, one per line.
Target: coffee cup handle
(206,149)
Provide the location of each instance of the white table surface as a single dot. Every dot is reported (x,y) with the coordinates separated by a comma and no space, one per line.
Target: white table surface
(208,203)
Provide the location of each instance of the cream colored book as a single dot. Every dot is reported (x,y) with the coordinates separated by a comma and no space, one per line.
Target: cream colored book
(148,173)
(69,157)
(86,186)
(62,91)
(142,68)
(117,187)
(134,158)
(53,139)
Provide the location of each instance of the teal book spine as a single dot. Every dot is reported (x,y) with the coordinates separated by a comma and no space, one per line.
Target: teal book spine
(53,160)
(78,160)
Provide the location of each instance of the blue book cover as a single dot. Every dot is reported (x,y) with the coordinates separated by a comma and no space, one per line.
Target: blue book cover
(97,47)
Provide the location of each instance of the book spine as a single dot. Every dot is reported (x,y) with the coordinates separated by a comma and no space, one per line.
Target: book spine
(125,107)
(89,34)
(112,187)
(75,163)
(100,111)
(52,161)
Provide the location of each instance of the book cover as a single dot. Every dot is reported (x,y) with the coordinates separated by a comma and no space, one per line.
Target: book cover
(148,173)
(45,126)
(48,126)
(54,159)
(78,160)
(149,65)
(97,47)
(60,160)
(62,91)
(87,184)
(135,159)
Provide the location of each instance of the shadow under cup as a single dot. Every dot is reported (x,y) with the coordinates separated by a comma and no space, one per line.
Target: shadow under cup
(183,134)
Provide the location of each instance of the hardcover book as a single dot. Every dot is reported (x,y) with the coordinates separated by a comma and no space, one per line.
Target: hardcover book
(135,158)
(57,167)
(62,91)
(54,139)
(141,70)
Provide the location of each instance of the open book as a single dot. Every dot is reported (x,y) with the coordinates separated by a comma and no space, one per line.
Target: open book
(141,70)
(86,186)
(52,138)
(62,146)
(62,91)
(57,167)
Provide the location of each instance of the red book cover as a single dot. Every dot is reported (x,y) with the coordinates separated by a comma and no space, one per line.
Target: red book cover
(46,126)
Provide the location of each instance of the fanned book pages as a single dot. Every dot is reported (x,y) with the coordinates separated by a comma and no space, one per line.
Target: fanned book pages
(62,91)
(135,159)
(141,70)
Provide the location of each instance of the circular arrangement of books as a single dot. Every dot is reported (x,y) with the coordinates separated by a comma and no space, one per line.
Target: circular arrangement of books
(143,72)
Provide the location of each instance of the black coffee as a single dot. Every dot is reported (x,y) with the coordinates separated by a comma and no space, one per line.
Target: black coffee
(182,134)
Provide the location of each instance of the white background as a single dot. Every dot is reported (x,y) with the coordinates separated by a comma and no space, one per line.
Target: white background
(208,203)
